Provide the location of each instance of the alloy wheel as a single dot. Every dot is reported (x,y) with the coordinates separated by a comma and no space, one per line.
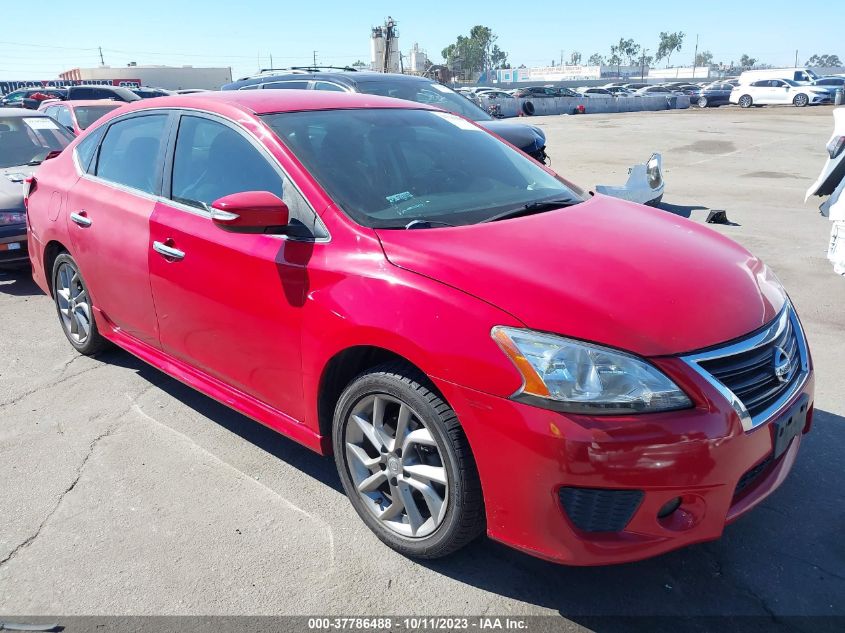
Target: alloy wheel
(73,303)
(396,466)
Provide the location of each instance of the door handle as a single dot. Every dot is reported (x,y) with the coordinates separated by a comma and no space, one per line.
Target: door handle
(168,251)
(79,217)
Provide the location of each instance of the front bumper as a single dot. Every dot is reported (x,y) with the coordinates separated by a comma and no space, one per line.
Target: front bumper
(529,460)
(13,245)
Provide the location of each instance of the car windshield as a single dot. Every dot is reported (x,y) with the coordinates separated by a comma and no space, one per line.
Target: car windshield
(387,168)
(86,115)
(27,140)
(429,93)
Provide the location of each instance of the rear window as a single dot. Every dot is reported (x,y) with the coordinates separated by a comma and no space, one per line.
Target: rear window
(27,140)
(86,115)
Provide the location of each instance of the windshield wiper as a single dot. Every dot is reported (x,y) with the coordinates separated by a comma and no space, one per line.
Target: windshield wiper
(425,224)
(33,163)
(534,207)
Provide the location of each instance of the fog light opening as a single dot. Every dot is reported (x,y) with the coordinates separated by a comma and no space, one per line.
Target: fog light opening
(669,507)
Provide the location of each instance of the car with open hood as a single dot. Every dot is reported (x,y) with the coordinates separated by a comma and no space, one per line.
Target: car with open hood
(482,345)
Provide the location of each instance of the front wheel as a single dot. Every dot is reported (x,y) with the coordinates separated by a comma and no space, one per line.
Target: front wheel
(801,100)
(73,304)
(405,463)
(745,101)
(702,102)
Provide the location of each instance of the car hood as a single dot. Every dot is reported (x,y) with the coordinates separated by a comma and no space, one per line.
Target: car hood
(11,187)
(528,138)
(605,270)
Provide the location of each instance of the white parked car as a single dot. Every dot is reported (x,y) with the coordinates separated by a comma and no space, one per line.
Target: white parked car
(798,75)
(778,92)
(594,92)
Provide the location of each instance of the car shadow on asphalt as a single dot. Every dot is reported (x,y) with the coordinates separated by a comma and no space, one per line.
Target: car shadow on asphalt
(18,283)
(316,466)
(683,210)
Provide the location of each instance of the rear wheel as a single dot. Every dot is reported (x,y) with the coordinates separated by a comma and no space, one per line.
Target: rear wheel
(745,101)
(405,463)
(73,304)
(801,100)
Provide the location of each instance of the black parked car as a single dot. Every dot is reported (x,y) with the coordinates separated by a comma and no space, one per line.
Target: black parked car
(529,138)
(714,95)
(26,139)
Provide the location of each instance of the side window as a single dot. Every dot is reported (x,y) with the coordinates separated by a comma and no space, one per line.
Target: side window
(249,87)
(130,151)
(286,85)
(760,84)
(212,160)
(63,117)
(87,148)
(327,85)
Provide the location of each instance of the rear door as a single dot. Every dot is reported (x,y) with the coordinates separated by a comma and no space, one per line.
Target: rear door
(230,304)
(110,210)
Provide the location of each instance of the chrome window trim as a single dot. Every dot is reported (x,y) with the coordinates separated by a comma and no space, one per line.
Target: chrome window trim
(179,206)
(775,329)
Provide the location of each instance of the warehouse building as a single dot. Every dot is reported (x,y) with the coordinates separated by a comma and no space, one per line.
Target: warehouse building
(168,77)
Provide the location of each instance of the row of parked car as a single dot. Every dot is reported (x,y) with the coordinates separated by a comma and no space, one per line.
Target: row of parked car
(32,97)
(760,88)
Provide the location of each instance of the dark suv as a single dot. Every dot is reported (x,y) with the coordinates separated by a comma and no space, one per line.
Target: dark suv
(530,139)
(115,93)
(18,98)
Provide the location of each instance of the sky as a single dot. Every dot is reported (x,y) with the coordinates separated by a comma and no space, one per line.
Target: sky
(64,35)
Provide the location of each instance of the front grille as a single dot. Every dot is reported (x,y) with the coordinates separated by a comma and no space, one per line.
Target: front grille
(750,373)
(600,509)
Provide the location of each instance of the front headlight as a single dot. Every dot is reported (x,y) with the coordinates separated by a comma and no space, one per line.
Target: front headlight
(653,171)
(577,377)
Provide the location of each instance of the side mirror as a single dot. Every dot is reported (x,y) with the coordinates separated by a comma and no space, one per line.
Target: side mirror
(250,212)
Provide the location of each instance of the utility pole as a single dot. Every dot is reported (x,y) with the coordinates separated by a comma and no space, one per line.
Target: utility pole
(796,58)
(315,59)
(695,56)
(102,61)
(271,61)
(561,57)
(642,65)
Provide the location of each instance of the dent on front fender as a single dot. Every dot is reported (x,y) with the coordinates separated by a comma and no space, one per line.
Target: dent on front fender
(645,183)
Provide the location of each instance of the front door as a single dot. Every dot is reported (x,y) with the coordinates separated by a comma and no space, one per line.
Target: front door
(108,222)
(229,304)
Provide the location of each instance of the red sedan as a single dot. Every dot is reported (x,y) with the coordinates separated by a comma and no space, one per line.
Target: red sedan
(482,345)
(77,116)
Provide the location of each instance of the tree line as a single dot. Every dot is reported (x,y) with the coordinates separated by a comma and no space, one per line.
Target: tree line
(479,52)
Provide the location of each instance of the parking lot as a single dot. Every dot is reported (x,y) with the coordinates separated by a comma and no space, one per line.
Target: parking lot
(125,492)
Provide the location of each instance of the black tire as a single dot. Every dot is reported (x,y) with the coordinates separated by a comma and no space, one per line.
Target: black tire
(800,100)
(702,102)
(528,108)
(93,342)
(464,518)
(745,101)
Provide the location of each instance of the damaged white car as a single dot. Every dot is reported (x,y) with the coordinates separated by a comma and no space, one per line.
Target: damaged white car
(645,183)
(831,182)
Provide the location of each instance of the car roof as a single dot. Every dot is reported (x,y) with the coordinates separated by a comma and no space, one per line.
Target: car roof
(348,78)
(20,112)
(272,101)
